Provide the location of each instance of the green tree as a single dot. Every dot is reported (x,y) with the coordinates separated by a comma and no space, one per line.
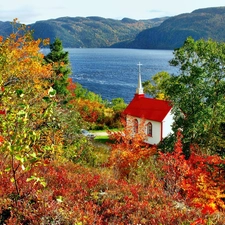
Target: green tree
(83,93)
(197,93)
(118,104)
(61,66)
(155,86)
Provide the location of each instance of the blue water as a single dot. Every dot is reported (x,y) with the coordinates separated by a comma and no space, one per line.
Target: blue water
(113,73)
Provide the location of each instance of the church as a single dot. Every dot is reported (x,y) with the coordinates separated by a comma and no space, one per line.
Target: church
(153,113)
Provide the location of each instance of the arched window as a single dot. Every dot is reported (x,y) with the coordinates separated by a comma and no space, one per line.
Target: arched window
(135,126)
(149,129)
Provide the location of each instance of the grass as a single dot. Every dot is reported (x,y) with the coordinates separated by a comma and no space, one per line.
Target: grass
(105,130)
(102,139)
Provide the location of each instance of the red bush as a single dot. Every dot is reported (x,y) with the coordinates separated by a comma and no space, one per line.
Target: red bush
(199,180)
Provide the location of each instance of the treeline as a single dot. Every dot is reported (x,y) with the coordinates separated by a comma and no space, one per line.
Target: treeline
(86,32)
(204,24)
(158,33)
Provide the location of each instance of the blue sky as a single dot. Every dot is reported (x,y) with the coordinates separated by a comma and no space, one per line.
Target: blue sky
(30,11)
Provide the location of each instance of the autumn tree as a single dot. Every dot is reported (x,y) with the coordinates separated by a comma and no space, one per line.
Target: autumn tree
(28,130)
(197,93)
(99,112)
(198,180)
(61,66)
(127,149)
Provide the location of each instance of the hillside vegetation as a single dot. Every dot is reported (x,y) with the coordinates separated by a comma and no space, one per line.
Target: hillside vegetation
(52,174)
(158,33)
(86,32)
(91,32)
(202,23)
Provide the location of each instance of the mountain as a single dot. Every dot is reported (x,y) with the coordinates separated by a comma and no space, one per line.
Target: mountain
(91,32)
(202,23)
(86,32)
(159,33)
(5,29)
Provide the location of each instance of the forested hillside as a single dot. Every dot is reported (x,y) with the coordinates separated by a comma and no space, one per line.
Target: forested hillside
(89,32)
(202,23)
(158,33)
(5,28)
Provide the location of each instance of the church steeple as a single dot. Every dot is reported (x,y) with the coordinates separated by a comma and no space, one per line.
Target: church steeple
(139,90)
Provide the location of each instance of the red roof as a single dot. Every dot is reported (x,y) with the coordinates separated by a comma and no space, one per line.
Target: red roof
(148,108)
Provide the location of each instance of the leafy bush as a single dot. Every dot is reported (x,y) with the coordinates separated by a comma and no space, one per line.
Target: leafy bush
(197,180)
(75,194)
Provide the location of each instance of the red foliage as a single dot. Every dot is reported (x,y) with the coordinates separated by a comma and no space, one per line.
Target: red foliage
(89,110)
(127,149)
(200,179)
(77,195)
(199,222)
(2,112)
(1,140)
(71,86)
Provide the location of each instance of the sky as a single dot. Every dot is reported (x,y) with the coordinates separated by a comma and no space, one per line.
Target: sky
(30,11)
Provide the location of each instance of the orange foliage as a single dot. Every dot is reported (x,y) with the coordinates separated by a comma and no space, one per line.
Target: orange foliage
(71,86)
(28,123)
(22,62)
(1,140)
(127,150)
(79,195)
(200,179)
(90,111)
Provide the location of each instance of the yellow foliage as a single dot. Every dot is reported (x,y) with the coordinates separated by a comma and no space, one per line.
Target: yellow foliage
(22,62)
(108,112)
(160,96)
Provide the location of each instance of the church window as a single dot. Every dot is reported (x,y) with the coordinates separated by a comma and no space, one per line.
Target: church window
(135,126)
(149,129)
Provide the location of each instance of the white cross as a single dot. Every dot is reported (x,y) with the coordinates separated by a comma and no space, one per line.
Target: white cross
(139,66)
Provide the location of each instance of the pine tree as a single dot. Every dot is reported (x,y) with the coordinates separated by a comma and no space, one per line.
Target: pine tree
(61,66)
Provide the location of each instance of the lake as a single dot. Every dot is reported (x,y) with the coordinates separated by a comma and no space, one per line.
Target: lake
(113,73)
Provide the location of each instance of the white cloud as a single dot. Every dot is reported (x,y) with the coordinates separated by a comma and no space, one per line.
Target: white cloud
(29,11)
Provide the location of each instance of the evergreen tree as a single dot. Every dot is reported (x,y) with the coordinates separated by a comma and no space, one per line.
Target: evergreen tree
(61,66)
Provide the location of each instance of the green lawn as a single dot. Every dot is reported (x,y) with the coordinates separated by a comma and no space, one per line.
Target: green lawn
(102,139)
(103,135)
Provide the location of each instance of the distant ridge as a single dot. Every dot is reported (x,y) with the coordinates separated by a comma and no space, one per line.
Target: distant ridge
(158,33)
(87,32)
(201,23)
